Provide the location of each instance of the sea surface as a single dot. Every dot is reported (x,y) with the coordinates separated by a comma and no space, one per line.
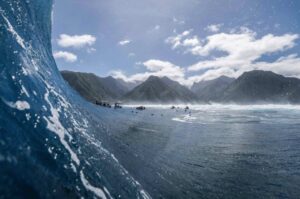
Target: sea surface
(210,151)
(53,144)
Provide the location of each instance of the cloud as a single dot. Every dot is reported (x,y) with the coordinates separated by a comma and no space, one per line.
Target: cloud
(229,54)
(91,50)
(214,28)
(124,42)
(287,65)
(67,56)
(118,74)
(154,67)
(75,41)
(194,41)
(158,68)
(240,49)
(176,41)
(236,52)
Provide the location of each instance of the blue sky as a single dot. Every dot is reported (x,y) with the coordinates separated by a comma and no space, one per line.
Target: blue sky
(189,41)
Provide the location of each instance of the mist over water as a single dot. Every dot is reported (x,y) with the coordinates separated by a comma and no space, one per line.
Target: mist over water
(219,106)
(254,106)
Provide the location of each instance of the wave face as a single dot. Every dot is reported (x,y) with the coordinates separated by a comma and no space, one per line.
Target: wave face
(47,144)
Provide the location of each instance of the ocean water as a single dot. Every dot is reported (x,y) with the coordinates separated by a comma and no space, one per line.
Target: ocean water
(211,151)
(53,144)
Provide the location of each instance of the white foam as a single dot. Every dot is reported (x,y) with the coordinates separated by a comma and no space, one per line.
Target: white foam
(20,105)
(28,116)
(180,120)
(97,191)
(145,194)
(145,129)
(54,125)
(97,143)
(73,168)
(14,33)
(184,119)
(24,90)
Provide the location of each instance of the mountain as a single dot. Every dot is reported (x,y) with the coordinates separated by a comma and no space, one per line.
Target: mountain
(93,88)
(128,85)
(160,90)
(251,87)
(211,90)
(116,86)
(262,87)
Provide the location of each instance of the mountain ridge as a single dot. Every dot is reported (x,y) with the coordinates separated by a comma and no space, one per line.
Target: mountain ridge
(259,86)
(160,90)
(211,89)
(94,88)
(251,87)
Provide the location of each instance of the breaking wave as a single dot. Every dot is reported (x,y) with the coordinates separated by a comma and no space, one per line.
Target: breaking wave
(47,141)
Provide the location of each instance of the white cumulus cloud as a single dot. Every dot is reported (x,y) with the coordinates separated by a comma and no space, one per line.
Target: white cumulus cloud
(194,41)
(76,41)
(154,67)
(241,50)
(124,42)
(67,56)
(177,40)
(229,54)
